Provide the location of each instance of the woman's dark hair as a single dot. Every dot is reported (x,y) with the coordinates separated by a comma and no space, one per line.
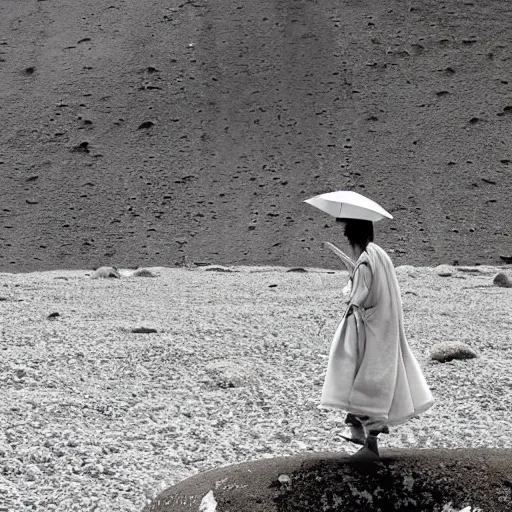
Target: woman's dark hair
(358,232)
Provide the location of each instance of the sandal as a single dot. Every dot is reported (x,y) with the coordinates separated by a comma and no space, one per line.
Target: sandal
(382,430)
(354,440)
(357,435)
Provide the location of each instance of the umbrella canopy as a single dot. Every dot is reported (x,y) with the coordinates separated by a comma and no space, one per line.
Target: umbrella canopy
(349,205)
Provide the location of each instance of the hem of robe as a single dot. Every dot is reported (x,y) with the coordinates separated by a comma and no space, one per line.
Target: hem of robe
(380,418)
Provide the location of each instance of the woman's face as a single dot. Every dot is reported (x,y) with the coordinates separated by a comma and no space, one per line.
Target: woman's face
(341,224)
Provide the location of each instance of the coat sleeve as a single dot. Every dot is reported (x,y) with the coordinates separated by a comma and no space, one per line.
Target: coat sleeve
(362,282)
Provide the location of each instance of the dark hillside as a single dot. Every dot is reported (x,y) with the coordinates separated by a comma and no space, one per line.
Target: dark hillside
(164,132)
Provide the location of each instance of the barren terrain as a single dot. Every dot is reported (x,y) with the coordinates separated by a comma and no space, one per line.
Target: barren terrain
(96,418)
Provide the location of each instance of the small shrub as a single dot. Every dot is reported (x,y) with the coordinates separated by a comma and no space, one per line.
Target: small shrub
(447,351)
(143,272)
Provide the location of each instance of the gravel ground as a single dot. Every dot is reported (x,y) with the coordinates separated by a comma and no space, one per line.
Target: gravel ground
(94,417)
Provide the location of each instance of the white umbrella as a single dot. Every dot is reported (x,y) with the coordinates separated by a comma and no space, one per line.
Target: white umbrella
(349,205)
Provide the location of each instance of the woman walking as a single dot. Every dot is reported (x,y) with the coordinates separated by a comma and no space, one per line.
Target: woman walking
(372,373)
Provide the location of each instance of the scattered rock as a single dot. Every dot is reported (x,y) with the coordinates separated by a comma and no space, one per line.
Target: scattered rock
(217,268)
(53,315)
(145,125)
(506,259)
(149,87)
(144,330)
(506,110)
(104,272)
(447,351)
(284,479)
(33,473)
(29,71)
(37,455)
(32,178)
(226,384)
(208,503)
(20,373)
(444,270)
(226,375)
(143,272)
(83,147)
(502,280)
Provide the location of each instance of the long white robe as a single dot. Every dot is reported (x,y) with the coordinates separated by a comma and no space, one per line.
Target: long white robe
(372,370)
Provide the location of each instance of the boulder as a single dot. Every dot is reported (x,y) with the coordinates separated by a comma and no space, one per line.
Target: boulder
(105,272)
(402,480)
(449,350)
(502,280)
(406,270)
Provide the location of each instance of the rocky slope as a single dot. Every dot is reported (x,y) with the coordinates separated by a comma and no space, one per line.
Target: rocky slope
(187,130)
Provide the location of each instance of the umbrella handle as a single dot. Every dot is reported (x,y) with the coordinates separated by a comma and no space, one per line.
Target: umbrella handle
(347,261)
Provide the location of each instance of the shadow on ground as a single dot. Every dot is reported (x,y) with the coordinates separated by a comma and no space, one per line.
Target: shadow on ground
(412,480)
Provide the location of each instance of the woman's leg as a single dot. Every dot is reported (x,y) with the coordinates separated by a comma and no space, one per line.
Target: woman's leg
(373,428)
(357,431)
